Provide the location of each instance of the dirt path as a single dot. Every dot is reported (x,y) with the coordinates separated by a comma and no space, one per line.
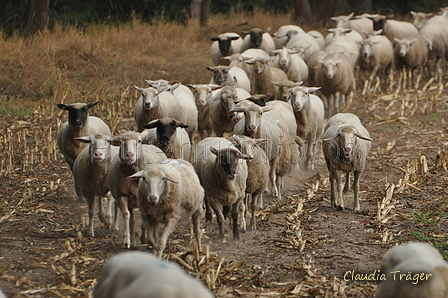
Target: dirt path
(302,246)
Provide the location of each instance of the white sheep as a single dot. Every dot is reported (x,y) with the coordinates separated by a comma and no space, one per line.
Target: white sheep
(139,274)
(313,63)
(348,44)
(90,171)
(131,158)
(257,177)
(319,37)
(203,94)
(424,264)
(336,78)
(249,54)
(290,62)
(377,54)
(224,45)
(264,74)
(346,144)
(420,18)
(392,28)
(169,135)
(280,38)
(304,43)
(168,192)
(258,39)
(359,24)
(309,114)
(224,76)
(411,52)
(222,170)
(186,100)
(79,124)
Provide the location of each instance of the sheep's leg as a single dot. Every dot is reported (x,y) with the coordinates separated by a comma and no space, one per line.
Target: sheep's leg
(101,209)
(279,184)
(235,213)
(253,224)
(108,216)
(208,211)
(356,206)
(125,210)
(219,218)
(332,191)
(167,231)
(115,224)
(339,185)
(309,163)
(196,220)
(272,176)
(78,191)
(132,225)
(91,211)
(347,182)
(242,211)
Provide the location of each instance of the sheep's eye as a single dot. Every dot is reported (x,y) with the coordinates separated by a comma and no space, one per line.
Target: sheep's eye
(139,141)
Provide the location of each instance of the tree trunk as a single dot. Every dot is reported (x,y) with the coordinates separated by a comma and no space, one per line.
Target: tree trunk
(302,11)
(35,16)
(195,9)
(205,7)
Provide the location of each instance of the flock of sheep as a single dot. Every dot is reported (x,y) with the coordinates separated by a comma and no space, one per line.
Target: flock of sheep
(224,143)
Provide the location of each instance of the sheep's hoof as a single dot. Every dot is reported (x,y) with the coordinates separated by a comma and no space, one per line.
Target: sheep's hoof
(243,230)
(127,245)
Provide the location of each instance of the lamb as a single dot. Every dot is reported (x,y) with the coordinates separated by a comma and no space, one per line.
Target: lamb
(392,28)
(141,274)
(203,94)
(264,74)
(79,124)
(167,193)
(427,267)
(155,104)
(309,113)
(186,101)
(411,52)
(435,30)
(90,171)
(258,39)
(360,24)
(283,87)
(131,158)
(346,144)
(170,136)
(224,76)
(377,54)
(280,38)
(258,175)
(335,75)
(219,107)
(222,171)
(420,18)
(224,45)
(291,63)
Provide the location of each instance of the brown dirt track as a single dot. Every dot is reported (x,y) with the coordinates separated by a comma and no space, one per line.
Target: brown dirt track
(302,248)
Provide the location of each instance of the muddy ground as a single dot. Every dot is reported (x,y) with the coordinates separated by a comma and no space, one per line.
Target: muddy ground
(302,248)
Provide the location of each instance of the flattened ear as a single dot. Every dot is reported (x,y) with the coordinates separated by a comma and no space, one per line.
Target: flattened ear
(210,68)
(267,108)
(234,37)
(363,137)
(260,141)
(62,106)
(169,178)
(136,176)
(181,125)
(332,137)
(245,156)
(214,38)
(312,89)
(138,88)
(152,124)
(89,105)
(214,151)
(114,141)
(83,139)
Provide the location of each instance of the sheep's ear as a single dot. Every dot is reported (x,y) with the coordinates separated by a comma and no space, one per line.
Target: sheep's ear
(361,136)
(169,178)
(192,87)
(245,156)
(413,13)
(234,37)
(412,41)
(152,124)
(351,15)
(180,124)
(245,32)
(375,41)
(312,89)
(299,83)
(275,52)
(214,87)
(278,84)
(237,110)
(214,38)
(260,141)
(334,19)
(62,106)
(321,62)
(251,62)
(136,176)
(114,141)
(210,68)
(267,108)
(359,41)
(332,137)
(83,139)
(214,151)
(89,105)
(138,88)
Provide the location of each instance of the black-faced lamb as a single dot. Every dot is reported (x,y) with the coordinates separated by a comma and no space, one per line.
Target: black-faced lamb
(413,270)
(309,114)
(90,171)
(168,192)
(222,170)
(346,144)
(132,157)
(170,136)
(140,274)
(79,124)
(392,28)
(258,39)
(224,45)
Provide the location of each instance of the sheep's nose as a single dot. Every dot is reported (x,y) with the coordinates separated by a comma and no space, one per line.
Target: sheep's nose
(98,154)
(201,102)
(147,104)
(78,122)
(130,154)
(285,97)
(152,200)
(252,127)
(347,150)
